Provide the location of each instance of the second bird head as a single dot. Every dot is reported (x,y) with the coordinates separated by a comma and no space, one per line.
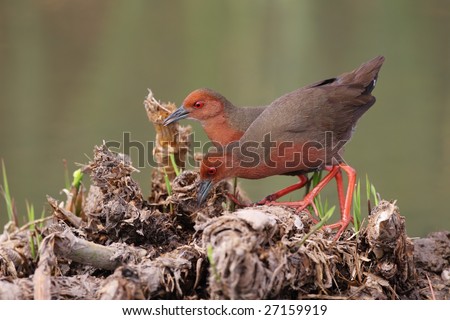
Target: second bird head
(213,169)
(200,104)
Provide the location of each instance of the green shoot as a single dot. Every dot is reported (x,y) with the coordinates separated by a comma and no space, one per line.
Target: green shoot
(33,249)
(322,208)
(357,206)
(7,195)
(167,182)
(209,254)
(319,225)
(226,206)
(369,205)
(325,208)
(317,176)
(315,179)
(77,177)
(30,214)
(32,227)
(232,205)
(168,187)
(374,194)
(174,164)
(41,224)
(367,188)
(371,192)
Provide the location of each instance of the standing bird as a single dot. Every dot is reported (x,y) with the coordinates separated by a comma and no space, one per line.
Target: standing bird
(300,132)
(225,123)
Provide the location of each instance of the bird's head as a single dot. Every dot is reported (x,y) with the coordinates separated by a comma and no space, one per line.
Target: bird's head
(200,104)
(213,169)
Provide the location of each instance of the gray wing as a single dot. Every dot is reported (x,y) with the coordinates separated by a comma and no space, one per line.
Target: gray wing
(334,105)
(310,112)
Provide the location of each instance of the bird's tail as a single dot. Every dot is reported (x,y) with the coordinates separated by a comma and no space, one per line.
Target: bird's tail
(365,76)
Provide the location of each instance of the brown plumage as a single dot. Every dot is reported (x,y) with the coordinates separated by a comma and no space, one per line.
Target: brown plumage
(302,131)
(222,121)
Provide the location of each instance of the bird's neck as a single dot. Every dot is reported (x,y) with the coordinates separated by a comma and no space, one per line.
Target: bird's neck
(240,118)
(219,130)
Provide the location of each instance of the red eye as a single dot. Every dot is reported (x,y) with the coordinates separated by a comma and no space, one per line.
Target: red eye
(199,104)
(212,171)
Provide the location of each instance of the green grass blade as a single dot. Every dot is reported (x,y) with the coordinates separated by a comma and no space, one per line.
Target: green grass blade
(32,247)
(318,204)
(232,205)
(374,194)
(168,187)
(317,176)
(209,254)
(321,209)
(369,204)
(313,181)
(41,224)
(367,187)
(32,228)
(319,225)
(357,206)
(174,164)
(6,194)
(30,214)
(77,177)
(167,182)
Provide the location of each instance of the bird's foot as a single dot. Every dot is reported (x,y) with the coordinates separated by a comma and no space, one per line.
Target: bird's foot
(300,206)
(280,193)
(304,208)
(270,199)
(235,199)
(341,226)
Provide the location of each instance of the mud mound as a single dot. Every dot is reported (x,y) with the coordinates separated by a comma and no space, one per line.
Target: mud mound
(121,246)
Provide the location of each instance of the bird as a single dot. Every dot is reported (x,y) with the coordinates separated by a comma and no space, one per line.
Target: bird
(300,132)
(225,123)
(222,121)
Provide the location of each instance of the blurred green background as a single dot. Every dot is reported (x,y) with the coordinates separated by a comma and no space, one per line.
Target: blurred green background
(74,73)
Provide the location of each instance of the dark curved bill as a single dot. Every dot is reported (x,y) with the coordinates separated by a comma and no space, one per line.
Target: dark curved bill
(178,114)
(203,191)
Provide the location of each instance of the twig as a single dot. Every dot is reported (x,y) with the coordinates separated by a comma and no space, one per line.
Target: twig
(433,296)
(28,224)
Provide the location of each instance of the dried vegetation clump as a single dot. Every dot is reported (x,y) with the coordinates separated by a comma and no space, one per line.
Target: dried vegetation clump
(114,243)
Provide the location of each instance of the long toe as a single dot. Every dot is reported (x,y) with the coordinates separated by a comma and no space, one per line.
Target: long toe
(235,199)
(267,200)
(341,226)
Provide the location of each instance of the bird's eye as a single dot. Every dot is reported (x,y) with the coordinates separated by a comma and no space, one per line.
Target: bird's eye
(212,171)
(199,104)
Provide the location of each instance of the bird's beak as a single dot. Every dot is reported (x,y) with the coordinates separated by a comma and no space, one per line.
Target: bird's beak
(178,114)
(203,191)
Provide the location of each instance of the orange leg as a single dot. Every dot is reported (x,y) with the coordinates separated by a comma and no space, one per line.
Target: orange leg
(340,190)
(345,203)
(274,196)
(235,199)
(309,198)
(346,217)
